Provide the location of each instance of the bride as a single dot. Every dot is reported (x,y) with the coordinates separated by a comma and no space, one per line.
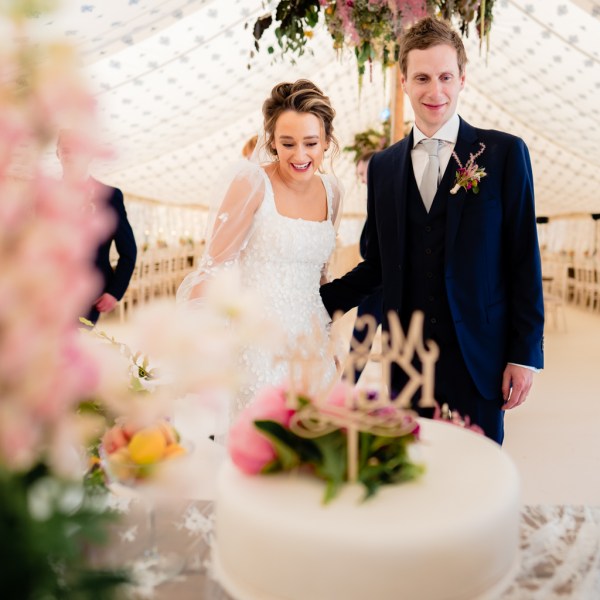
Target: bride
(278,222)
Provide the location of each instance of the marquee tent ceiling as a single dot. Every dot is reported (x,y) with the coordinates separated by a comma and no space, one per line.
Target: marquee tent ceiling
(177,100)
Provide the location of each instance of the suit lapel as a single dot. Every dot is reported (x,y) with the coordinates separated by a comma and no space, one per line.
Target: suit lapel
(466,144)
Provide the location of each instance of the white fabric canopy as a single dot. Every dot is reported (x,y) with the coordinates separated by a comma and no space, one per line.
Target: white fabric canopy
(177,100)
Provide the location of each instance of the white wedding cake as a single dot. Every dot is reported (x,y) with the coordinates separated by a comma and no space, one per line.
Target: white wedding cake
(451,534)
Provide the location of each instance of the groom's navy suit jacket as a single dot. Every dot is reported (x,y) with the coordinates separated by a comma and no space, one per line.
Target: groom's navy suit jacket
(492,271)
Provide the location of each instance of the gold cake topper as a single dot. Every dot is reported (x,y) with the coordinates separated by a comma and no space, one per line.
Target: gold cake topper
(361,410)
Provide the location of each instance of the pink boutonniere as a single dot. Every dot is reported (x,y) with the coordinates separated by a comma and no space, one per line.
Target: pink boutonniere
(469,175)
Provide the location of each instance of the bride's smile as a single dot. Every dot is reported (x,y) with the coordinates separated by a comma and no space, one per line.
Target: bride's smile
(303,167)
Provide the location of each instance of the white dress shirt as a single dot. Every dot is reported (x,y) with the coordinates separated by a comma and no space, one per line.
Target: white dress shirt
(448,133)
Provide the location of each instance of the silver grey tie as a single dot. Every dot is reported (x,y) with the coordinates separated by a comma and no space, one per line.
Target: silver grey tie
(429,183)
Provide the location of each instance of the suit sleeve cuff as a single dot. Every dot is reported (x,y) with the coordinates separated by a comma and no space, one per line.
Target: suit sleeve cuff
(534,369)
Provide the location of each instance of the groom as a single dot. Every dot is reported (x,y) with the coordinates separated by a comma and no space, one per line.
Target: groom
(469,261)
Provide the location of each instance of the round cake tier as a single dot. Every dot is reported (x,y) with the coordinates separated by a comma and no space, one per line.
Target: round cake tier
(450,535)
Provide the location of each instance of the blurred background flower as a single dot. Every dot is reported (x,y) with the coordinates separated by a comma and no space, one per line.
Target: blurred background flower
(61,388)
(48,238)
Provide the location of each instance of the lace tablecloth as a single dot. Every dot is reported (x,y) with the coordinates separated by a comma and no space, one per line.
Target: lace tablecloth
(560,554)
(559,560)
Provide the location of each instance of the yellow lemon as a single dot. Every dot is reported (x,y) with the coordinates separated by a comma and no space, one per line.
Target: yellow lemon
(147,446)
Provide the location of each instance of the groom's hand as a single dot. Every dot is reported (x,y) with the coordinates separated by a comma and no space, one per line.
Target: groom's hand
(516,384)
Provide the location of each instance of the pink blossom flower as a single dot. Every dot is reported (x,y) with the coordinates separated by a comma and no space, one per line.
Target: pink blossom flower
(455,418)
(417,430)
(114,438)
(470,174)
(20,436)
(340,394)
(48,240)
(249,449)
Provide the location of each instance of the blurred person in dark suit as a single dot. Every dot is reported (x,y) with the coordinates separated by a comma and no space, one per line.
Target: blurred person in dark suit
(76,159)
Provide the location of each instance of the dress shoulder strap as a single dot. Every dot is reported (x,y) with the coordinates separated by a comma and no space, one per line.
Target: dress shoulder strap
(329,193)
(269,199)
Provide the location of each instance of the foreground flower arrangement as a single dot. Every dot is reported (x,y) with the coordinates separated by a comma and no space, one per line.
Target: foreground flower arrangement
(54,381)
(48,240)
(277,433)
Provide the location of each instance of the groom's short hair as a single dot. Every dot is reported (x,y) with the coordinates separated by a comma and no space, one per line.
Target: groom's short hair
(430,32)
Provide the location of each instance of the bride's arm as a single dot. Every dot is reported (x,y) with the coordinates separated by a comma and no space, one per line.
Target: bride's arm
(230,234)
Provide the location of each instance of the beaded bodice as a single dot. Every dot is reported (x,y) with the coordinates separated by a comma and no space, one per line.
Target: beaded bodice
(283,260)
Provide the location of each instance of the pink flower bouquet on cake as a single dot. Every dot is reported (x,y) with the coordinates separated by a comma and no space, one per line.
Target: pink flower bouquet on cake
(250,449)
(280,432)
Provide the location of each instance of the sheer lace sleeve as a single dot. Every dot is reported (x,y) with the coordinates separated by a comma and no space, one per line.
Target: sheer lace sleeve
(336,201)
(230,230)
(335,189)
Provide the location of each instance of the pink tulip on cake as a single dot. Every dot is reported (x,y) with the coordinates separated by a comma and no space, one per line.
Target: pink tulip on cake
(340,394)
(249,449)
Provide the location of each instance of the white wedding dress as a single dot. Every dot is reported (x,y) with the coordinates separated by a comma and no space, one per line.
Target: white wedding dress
(284,259)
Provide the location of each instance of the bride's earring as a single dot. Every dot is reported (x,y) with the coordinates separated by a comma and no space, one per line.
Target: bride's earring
(321,168)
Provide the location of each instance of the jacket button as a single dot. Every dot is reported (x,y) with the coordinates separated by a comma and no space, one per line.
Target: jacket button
(427,250)
(433,320)
(428,228)
(429,274)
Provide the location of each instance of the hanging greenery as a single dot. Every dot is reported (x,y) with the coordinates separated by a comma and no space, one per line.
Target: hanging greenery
(372,28)
(371,140)
(374,140)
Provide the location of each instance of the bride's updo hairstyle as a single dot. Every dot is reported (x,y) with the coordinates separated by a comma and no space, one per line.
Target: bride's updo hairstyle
(302,96)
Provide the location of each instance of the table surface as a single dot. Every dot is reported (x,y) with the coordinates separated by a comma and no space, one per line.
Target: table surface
(559,559)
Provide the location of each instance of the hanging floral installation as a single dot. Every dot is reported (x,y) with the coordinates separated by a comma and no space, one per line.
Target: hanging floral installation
(371,28)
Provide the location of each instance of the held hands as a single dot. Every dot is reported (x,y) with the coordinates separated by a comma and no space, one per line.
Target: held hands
(105,303)
(516,383)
